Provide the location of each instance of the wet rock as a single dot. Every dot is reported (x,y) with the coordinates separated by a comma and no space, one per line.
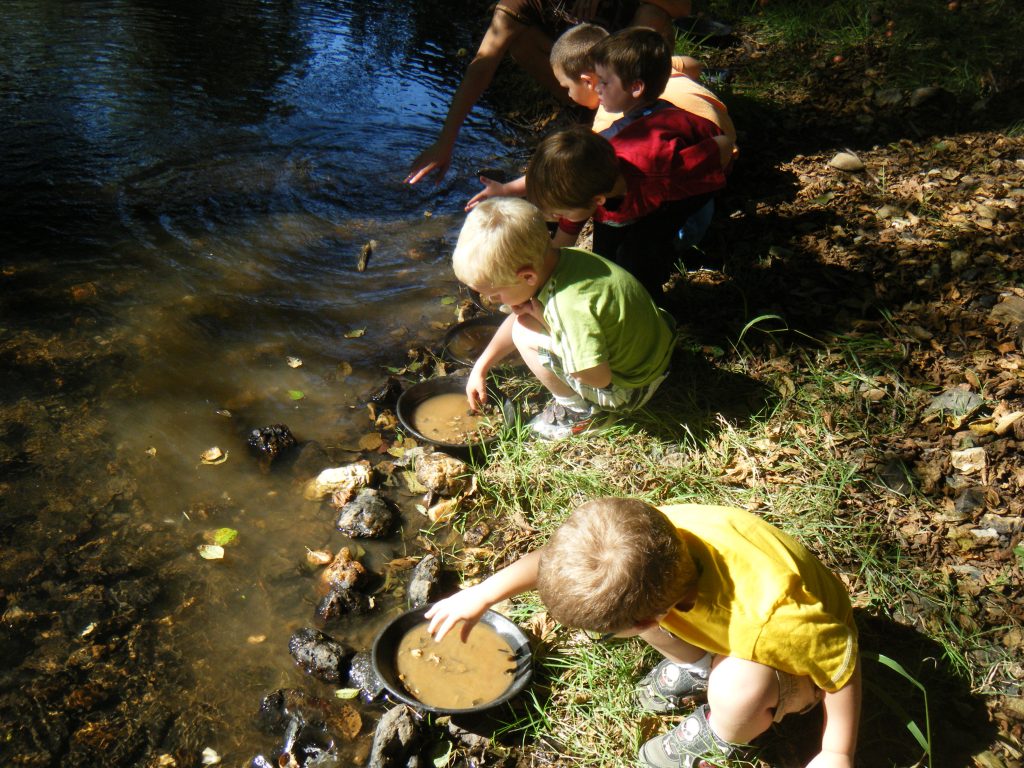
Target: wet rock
(335,480)
(268,443)
(424,581)
(361,675)
(343,573)
(339,602)
(442,474)
(279,707)
(307,745)
(310,460)
(367,516)
(396,739)
(261,762)
(386,396)
(320,655)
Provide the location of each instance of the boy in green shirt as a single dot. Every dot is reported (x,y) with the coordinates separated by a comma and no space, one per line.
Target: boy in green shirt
(586,328)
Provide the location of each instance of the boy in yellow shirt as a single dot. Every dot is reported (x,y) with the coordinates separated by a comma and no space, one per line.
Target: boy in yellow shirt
(742,612)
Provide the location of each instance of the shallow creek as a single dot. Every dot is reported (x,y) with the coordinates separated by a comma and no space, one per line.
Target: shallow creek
(187,191)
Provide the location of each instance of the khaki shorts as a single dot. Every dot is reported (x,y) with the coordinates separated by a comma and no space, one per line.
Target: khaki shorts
(612,398)
(796,695)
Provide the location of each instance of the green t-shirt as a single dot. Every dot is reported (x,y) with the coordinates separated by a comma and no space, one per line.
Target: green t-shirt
(597,312)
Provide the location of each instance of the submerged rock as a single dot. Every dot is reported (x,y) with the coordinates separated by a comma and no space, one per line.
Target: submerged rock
(307,745)
(310,460)
(339,602)
(367,516)
(320,655)
(424,581)
(270,442)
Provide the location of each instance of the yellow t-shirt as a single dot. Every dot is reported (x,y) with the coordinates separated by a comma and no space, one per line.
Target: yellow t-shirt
(763,597)
(686,94)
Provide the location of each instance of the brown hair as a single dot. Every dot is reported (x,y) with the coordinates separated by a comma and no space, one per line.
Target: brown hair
(636,53)
(612,564)
(571,51)
(569,169)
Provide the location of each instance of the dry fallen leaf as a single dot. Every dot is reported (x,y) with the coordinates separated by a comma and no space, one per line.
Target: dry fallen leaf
(370,441)
(294,362)
(213,456)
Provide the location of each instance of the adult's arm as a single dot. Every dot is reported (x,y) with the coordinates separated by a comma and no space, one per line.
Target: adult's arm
(438,156)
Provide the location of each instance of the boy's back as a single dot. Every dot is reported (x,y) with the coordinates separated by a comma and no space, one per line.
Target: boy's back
(665,157)
(763,596)
(597,312)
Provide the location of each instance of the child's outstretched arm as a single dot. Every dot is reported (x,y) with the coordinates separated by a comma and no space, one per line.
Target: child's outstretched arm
(499,347)
(469,605)
(842,718)
(492,188)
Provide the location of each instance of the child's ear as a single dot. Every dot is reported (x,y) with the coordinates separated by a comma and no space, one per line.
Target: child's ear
(637,88)
(527,274)
(588,79)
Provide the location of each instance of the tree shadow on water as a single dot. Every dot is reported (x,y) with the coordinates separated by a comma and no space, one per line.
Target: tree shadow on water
(916,711)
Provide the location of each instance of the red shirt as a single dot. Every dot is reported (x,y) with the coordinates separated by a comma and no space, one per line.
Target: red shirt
(665,154)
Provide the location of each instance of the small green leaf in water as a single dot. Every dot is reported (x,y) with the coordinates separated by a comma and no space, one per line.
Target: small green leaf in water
(224,536)
(296,394)
(355,333)
(448,300)
(346,693)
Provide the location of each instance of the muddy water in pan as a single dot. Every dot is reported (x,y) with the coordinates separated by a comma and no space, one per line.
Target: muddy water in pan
(448,419)
(188,188)
(452,673)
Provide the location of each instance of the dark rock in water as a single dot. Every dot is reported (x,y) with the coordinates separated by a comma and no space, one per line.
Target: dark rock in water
(424,581)
(307,745)
(311,460)
(396,739)
(320,655)
(361,675)
(278,708)
(270,442)
(367,516)
(387,395)
(339,602)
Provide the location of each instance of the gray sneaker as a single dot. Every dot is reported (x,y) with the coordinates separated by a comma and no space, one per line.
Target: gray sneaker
(668,687)
(557,422)
(691,744)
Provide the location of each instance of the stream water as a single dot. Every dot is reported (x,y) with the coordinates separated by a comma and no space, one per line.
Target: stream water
(186,190)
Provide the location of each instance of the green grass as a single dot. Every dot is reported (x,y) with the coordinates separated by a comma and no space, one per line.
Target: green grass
(794,461)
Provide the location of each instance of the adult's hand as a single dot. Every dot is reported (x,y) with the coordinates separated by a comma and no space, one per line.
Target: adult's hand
(434,159)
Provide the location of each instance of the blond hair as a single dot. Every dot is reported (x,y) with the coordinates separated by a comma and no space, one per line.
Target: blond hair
(569,169)
(571,51)
(636,53)
(499,237)
(613,564)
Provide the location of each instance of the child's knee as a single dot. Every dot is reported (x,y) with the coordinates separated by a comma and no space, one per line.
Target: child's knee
(740,689)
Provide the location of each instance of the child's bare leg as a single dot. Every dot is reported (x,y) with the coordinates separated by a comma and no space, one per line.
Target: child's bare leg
(742,696)
(531,49)
(670,646)
(527,333)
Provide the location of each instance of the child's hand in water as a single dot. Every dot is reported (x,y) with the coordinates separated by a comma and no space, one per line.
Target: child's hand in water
(466,606)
